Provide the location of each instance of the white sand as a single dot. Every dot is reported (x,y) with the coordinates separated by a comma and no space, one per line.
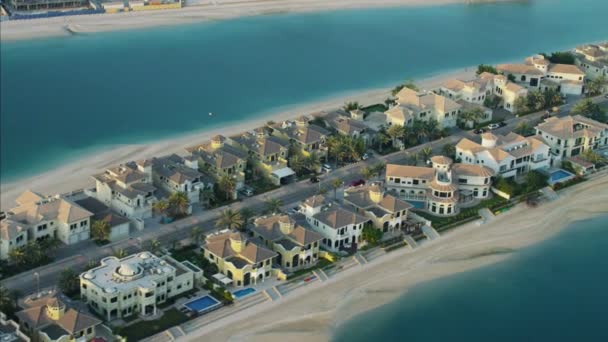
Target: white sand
(76,175)
(313,312)
(226,9)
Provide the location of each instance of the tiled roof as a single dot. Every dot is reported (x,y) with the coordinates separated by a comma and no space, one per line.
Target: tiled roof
(394,170)
(338,217)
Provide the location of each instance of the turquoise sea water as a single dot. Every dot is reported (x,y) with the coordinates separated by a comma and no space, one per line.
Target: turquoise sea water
(555,291)
(63,97)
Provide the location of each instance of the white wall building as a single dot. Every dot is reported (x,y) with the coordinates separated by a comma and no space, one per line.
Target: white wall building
(424,106)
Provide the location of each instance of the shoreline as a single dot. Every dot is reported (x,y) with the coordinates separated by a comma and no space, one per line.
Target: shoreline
(76,173)
(316,311)
(17,30)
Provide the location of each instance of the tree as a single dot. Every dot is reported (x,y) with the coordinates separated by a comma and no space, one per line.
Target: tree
(408,84)
(432,128)
(491,101)
(511,78)
(449,150)
(381,140)
(69,283)
(371,234)
(589,109)
(207,197)
(100,230)
(273,205)
(350,106)
(419,129)
(227,185)
(426,153)
(596,86)
(560,57)
(312,162)
(17,256)
(335,184)
(333,145)
(552,98)
(535,100)
(296,163)
(230,219)
(395,132)
(474,115)
(592,157)
(367,173)
(8,301)
(520,105)
(481,68)
(153,246)
(246,215)
(196,234)
(120,253)
(179,204)
(523,128)
(535,180)
(378,167)
(161,207)
(388,102)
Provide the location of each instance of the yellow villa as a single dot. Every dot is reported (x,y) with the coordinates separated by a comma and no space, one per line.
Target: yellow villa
(240,259)
(297,246)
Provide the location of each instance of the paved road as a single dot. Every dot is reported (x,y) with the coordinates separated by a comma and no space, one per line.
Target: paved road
(78,256)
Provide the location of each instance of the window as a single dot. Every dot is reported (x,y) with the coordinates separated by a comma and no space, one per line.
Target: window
(114,300)
(83,223)
(73,226)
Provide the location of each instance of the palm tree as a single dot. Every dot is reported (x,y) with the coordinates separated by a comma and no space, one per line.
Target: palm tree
(246,214)
(378,167)
(322,190)
(296,163)
(592,157)
(432,128)
(596,86)
(313,162)
(382,139)
(69,283)
(154,246)
(100,230)
(179,203)
(395,132)
(273,205)
(8,302)
(120,253)
(348,106)
(426,153)
(333,145)
(17,256)
(335,184)
(227,184)
(230,219)
(522,128)
(161,207)
(207,196)
(420,130)
(367,173)
(449,150)
(196,234)
(520,105)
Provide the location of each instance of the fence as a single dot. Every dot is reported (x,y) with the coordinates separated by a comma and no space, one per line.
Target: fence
(52,14)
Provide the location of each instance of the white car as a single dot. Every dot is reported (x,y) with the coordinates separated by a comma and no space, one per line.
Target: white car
(493,126)
(326,168)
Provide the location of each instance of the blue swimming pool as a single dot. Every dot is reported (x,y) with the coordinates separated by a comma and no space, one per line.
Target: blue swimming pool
(559,176)
(418,204)
(202,304)
(242,293)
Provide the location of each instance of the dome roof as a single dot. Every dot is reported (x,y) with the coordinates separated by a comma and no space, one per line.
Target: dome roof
(55,303)
(128,270)
(237,236)
(442,160)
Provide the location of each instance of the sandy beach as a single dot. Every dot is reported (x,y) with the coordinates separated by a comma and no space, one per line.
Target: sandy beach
(312,313)
(76,174)
(200,10)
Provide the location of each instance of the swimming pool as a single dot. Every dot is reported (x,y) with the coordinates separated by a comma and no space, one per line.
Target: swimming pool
(559,175)
(417,204)
(242,293)
(202,304)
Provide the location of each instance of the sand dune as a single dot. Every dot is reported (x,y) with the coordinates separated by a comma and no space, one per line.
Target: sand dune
(314,312)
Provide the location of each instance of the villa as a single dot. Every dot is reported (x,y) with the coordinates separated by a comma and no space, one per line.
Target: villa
(507,155)
(135,285)
(49,318)
(170,174)
(42,5)
(572,135)
(270,153)
(340,227)
(296,244)
(37,218)
(348,124)
(387,212)
(424,106)
(10,330)
(216,159)
(308,138)
(443,188)
(128,189)
(593,59)
(476,91)
(119,225)
(245,261)
(539,73)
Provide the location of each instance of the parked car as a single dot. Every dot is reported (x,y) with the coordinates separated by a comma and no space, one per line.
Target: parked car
(247,191)
(326,168)
(365,156)
(502,124)
(606,96)
(545,116)
(314,179)
(294,210)
(479,131)
(493,126)
(357,182)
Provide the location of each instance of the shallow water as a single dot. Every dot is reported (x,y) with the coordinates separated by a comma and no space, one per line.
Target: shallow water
(64,97)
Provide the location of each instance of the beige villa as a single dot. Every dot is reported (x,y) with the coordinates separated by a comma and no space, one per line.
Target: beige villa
(243,260)
(306,137)
(593,59)
(296,244)
(422,105)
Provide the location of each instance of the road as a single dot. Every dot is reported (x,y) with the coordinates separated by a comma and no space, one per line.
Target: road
(77,257)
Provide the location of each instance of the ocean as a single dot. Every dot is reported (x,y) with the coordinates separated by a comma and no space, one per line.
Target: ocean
(553,291)
(64,97)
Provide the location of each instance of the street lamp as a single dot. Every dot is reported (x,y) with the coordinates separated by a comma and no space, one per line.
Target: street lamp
(37,275)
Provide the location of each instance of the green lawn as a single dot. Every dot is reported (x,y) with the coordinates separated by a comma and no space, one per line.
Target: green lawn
(375,108)
(143,329)
(464,215)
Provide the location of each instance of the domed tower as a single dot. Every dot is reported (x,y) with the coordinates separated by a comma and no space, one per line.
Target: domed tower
(55,308)
(488,140)
(286,224)
(237,242)
(443,194)
(375,193)
(302,120)
(217,141)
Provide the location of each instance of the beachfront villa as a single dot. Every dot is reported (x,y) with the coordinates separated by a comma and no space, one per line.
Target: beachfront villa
(572,135)
(127,189)
(216,158)
(387,212)
(476,91)
(51,319)
(37,217)
(424,106)
(538,73)
(170,175)
(340,226)
(269,153)
(306,137)
(119,225)
(45,5)
(135,285)
(243,260)
(349,124)
(593,59)
(296,244)
(507,155)
(443,188)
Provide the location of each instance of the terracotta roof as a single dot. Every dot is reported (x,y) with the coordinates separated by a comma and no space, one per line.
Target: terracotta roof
(566,69)
(469,145)
(519,69)
(360,198)
(442,160)
(443,187)
(338,217)
(315,201)
(71,321)
(394,170)
(253,253)
(52,208)
(28,197)
(270,229)
(10,229)
(569,127)
(472,170)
